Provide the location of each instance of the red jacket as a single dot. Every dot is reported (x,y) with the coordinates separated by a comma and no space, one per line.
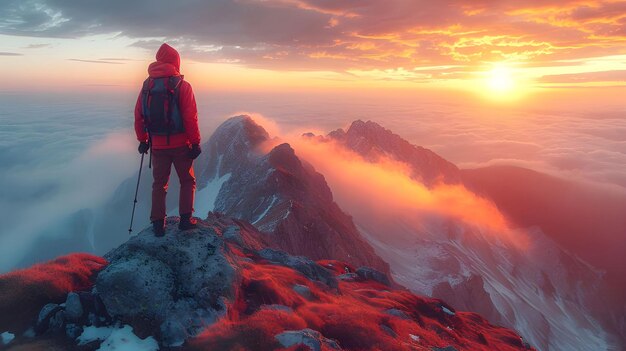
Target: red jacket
(168,64)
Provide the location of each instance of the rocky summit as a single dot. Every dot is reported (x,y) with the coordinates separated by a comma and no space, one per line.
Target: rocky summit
(218,287)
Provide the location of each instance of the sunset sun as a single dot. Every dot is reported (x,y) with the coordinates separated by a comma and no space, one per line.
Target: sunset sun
(500,81)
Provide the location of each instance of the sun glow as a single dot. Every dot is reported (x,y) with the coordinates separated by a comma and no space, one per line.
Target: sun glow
(503,84)
(500,80)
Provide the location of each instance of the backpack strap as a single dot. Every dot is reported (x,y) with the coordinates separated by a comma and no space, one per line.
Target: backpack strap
(145,100)
(172,85)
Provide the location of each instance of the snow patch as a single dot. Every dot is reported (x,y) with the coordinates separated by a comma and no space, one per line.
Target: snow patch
(269,207)
(447,311)
(93,334)
(125,340)
(6,338)
(205,198)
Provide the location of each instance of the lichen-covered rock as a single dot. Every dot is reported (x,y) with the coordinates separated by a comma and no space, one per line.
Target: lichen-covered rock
(73,307)
(178,281)
(397,313)
(57,322)
(73,331)
(303,291)
(348,277)
(46,313)
(307,337)
(367,273)
(304,265)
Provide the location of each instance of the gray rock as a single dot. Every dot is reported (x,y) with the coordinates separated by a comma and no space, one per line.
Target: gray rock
(29,333)
(397,313)
(186,318)
(277,308)
(178,281)
(57,322)
(73,307)
(388,331)
(348,277)
(136,285)
(47,312)
(304,265)
(233,233)
(367,273)
(92,319)
(303,291)
(73,331)
(307,337)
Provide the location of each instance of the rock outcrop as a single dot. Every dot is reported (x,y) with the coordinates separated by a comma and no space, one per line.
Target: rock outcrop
(218,288)
(177,282)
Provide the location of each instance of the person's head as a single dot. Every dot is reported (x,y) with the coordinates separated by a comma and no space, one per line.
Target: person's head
(167,54)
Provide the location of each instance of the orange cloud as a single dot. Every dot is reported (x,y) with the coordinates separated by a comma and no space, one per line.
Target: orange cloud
(386,189)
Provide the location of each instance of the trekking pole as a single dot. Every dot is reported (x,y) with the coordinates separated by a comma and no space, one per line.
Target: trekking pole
(150,144)
(132,216)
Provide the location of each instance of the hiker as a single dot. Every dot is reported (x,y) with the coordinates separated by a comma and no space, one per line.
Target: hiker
(166,123)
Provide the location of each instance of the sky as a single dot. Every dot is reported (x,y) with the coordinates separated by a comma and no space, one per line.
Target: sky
(503,51)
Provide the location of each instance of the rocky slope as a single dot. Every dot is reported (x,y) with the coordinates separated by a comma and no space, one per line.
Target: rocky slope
(281,195)
(218,288)
(586,220)
(542,290)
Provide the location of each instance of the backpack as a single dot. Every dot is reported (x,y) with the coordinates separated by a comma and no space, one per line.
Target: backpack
(160,110)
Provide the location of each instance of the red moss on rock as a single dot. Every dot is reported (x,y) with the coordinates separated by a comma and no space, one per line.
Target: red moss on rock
(360,315)
(24,292)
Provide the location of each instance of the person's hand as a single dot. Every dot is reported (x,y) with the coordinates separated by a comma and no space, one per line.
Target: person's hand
(143,147)
(194,151)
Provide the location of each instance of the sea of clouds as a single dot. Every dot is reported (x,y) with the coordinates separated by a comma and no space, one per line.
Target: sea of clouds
(63,153)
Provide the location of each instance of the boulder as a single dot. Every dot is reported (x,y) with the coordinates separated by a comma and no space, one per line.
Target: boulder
(73,331)
(348,277)
(307,337)
(303,291)
(177,282)
(306,266)
(73,307)
(367,273)
(398,313)
(57,322)
(46,313)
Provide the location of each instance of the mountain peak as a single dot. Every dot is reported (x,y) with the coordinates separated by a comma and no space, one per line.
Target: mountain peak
(283,156)
(243,127)
(372,141)
(229,147)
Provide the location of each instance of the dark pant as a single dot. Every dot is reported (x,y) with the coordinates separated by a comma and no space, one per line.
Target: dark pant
(162,161)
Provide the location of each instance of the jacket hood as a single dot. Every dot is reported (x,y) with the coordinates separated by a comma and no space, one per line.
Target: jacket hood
(167,62)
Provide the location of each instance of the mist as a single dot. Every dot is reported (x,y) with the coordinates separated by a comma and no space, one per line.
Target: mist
(387,189)
(65,153)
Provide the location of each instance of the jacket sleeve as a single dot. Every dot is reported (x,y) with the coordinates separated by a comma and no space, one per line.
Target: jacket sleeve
(189,111)
(140,127)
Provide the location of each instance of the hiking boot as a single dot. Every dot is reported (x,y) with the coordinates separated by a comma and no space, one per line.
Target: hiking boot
(187,222)
(158,227)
